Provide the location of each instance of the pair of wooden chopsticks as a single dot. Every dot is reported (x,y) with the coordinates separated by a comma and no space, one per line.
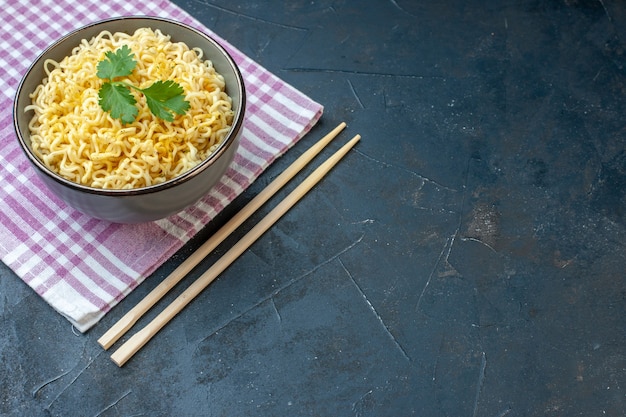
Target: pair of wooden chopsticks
(137,341)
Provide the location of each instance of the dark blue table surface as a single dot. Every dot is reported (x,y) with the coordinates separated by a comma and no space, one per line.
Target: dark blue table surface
(466,259)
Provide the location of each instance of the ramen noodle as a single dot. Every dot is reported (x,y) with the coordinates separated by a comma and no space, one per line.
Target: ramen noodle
(75,138)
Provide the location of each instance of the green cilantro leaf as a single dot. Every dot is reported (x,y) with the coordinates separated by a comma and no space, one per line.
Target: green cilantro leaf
(162,97)
(117,99)
(116,64)
(165,97)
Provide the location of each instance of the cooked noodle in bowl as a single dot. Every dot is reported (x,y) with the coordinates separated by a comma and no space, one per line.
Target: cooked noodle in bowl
(142,169)
(76,138)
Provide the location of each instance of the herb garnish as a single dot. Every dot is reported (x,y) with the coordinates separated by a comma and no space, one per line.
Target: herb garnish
(162,97)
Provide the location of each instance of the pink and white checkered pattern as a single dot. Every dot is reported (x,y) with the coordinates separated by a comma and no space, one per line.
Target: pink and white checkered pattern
(82,266)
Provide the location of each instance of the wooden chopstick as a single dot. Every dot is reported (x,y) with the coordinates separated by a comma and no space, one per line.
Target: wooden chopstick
(130,318)
(139,339)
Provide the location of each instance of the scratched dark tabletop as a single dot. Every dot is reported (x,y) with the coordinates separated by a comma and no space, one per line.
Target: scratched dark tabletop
(466,259)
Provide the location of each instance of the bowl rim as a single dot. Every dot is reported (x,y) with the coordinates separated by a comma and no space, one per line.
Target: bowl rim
(229,140)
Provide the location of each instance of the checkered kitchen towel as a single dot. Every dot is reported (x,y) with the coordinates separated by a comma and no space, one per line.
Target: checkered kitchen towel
(82,266)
